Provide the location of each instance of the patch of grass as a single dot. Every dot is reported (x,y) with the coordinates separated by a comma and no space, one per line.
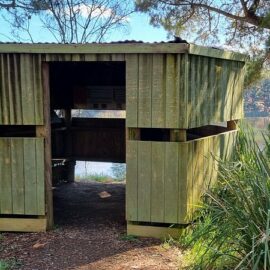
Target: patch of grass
(4,265)
(130,238)
(233,227)
(97,177)
(9,264)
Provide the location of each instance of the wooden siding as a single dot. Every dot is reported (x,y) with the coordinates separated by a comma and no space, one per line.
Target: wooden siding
(182,91)
(22,176)
(154,86)
(214,90)
(162,90)
(166,179)
(21,98)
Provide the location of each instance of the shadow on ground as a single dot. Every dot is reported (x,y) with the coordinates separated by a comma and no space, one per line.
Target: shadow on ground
(89,234)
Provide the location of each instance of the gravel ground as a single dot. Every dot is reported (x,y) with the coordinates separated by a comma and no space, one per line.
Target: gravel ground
(89,234)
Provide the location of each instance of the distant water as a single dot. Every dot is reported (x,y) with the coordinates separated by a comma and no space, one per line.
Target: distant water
(83,168)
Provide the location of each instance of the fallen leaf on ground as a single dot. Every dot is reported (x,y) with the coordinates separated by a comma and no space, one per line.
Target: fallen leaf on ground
(104,194)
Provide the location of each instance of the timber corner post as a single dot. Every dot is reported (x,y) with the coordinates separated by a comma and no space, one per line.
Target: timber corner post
(45,132)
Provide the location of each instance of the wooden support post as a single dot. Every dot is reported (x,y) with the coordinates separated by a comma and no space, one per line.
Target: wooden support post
(232,125)
(178,135)
(68,139)
(70,166)
(134,134)
(45,132)
(70,163)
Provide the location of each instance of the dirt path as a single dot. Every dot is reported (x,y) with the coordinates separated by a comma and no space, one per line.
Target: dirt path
(89,234)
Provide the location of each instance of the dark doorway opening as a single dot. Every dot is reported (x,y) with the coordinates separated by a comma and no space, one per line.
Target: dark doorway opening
(87,124)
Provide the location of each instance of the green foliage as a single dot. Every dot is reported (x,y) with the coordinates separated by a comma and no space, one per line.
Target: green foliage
(254,71)
(210,21)
(232,231)
(129,238)
(12,263)
(119,171)
(4,265)
(98,177)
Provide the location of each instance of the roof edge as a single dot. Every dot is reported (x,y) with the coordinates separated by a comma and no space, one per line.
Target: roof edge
(120,48)
(217,53)
(98,48)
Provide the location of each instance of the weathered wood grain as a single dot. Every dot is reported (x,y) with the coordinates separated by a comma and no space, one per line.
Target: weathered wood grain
(22,176)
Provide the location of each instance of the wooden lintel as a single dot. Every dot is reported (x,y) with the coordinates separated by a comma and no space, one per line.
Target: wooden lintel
(178,135)
(153,231)
(23,224)
(232,125)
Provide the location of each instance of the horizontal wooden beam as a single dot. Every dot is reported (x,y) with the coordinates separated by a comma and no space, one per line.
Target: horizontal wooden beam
(153,231)
(109,48)
(216,53)
(23,224)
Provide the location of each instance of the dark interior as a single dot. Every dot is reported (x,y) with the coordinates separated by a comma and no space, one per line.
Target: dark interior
(88,85)
(85,100)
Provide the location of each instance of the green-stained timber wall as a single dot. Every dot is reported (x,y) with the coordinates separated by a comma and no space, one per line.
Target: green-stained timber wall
(168,86)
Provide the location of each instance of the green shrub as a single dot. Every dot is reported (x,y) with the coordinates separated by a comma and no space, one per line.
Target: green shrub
(97,177)
(232,231)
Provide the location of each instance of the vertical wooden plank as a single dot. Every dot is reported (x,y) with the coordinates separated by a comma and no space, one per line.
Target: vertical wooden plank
(40,176)
(172,94)
(198,92)
(158,92)
(198,170)
(132,181)
(11,104)
(104,57)
(204,102)
(144,181)
(145,89)
(132,74)
(192,91)
(90,57)
(28,106)
(157,185)
(37,78)
(171,185)
(184,167)
(231,87)
(189,179)
(118,57)
(216,152)
(224,89)
(30,178)
(17,175)
(206,163)
(212,85)
(1,93)
(4,96)
(5,177)
(218,93)
(187,89)
(183,94)
(17,90)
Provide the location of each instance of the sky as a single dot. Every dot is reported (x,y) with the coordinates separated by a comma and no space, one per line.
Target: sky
(138,29)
